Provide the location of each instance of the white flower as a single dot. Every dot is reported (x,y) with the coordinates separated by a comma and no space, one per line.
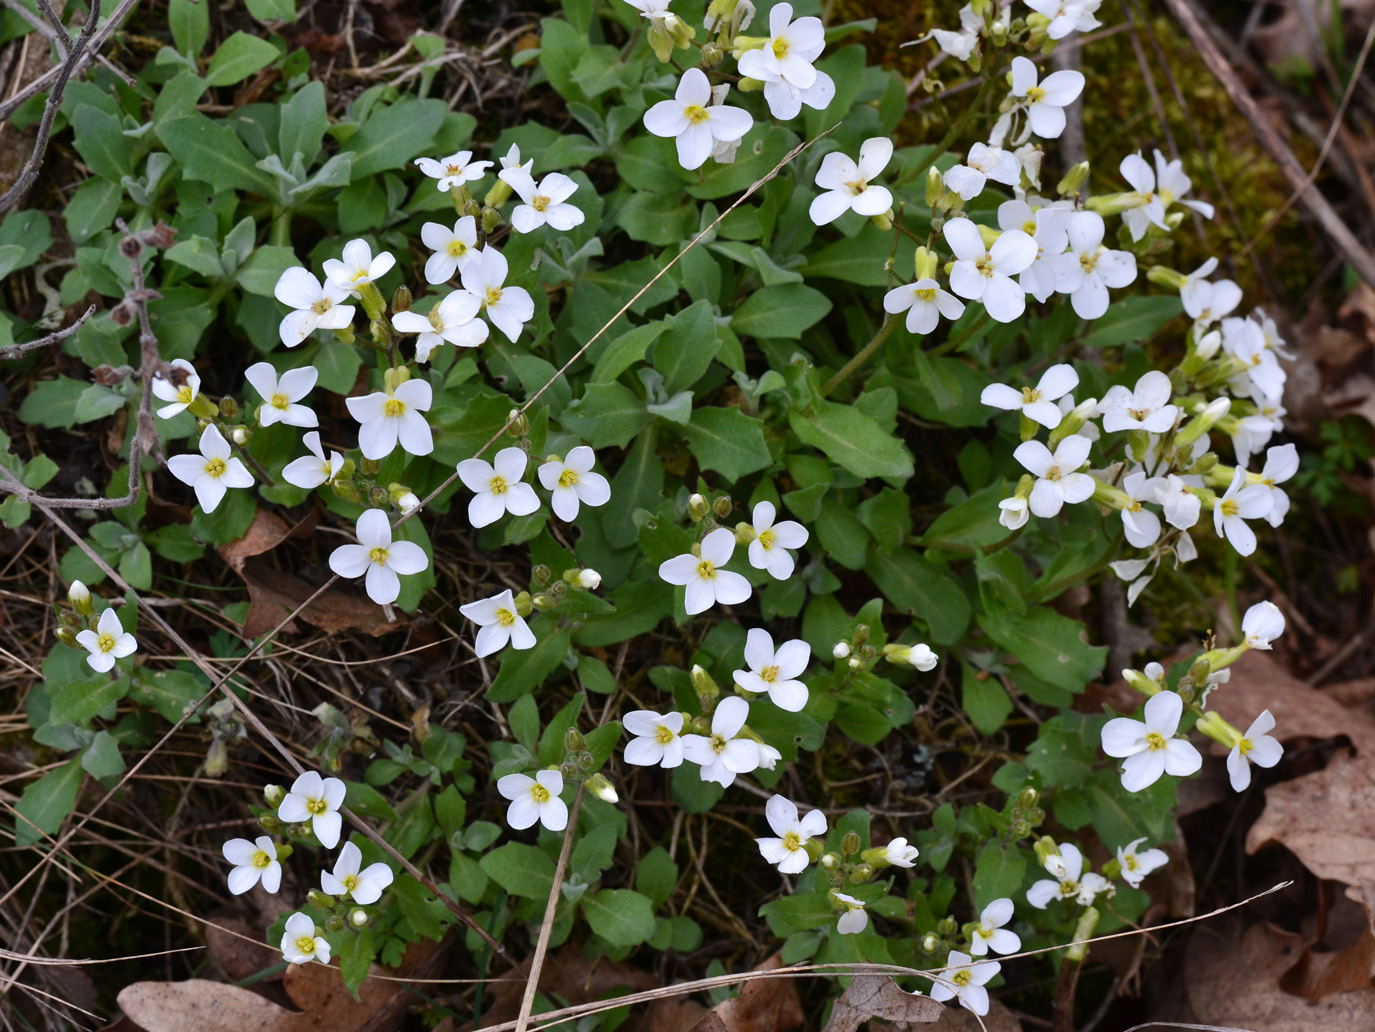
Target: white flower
(1048,226)
(965,980)
(252,861)
(1233,509)
(180,388)
(900,854)
(768,756)
(1141,526)
(1157,191)
(991,935)
(1057,479)
(387,417)
(498,487)
(499,623)
(378,557)
(300,944)
(769,549)
(509,308)
(706,584)
(924,302)
(365,886)
(1146,407)
(961,44)
(984,163)
(1045,101)
(315,799)
(788,851)
(211,473)
(282,395)
(316,305)
(855,919)
(784,64)
(511,160)
(107,643)
(1135,866)
(1253,432)
(453,320)
(1088,269)
(310,471)
(847,183)
(1067,16)
(1065,881)
(658,739)
(1262,624)
(546,203)
(455,170)
(691,121)
(1255,746)
(919,655)
(1149,746)
(1205,301)
(775,672)
(358,268)
(1245,341)
(534,799)
(453,248)
(1036,403)
(1181,505)
(1013,513)
(723,755)
(571,483)
(985,274)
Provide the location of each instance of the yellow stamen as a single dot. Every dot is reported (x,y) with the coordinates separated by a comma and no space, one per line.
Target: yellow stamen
(261,859)
(215,467)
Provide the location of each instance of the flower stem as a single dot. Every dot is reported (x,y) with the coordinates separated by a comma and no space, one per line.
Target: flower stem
(267,478)
(889,324)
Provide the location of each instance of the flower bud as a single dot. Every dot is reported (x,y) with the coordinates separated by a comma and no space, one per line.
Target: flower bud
(517,423)
(345,489)
(723,506)
(712,55)
(697,508)
(1204,421)
(861,874)
(270,822)
(540,574)
(79,596)
(472,208)
(377,496)
(240,435)
(229,409)
(1045,847)
(573,740)
(1141,683)
(585,763)
(929,942)
(830,861)
(358,917)
(401,299)
(841,649)
(216,759)
(588,580)
(1208,345)
(1163,276)
(491,218)
(704,684)
(66,636)
(600,787)
(1073,180)
(334,923)
(1026,798)
(558,589)
(273,795)
(935,186)
(947,926)
(523,605)
(854,663)
(849,845)
(542,602)
(861,634)
(919,656)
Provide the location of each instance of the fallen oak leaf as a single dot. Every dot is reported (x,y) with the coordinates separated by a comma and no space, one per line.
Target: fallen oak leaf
(878,996)
(764,1005)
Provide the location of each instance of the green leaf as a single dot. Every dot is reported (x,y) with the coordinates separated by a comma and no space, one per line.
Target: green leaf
(785,311)
(1065,749)
(620,916)
(857,259)
(355,955)
(686,351)
(189,21)
(656,876)
(367,801)
(264,267)
(606,414)
(102,143)
(303,125)
(238,57)
(728,441)
(998,873)
(594,852)
(78,701)
(625,351)
(923,590)
(101,759)
(169,692)
(52,403)
(986,701)
(212,152)
(520,869)
(973,523)
(92,208)
(853,441)
(272,10)
(1051,646)
(1132,319)
(46,803)
(393,135)
(524,670)
(199,254)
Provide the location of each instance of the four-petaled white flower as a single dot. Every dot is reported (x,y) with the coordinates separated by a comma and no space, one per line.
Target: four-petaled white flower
(722,755)
(498,487)
(658,739)
(1145,407)
(706,583)
(1262,624)
(317,800)
(350,878)
(1240,503)
(1067,16)
(1049,227)
(1036,403)
(453,248)
(991,935)
(378,557)
(775,671)
(1156,191)
(387,417)
(534,799)
(211,473)
(454,320)
(984,163)
(455,170)
(784,64)
(788,852)
(847,184)
(252,861)
(509,308)
(924,302)
(1065,880)
(1088,269)
(1045,101)
(282,394)
(359,267)
(300,944)
(966,980)
(900,854)
(107,643)
(1150,747)
(985,274)
(1181,505)
(855,919)
(1206,301)
(1141,526)
(571,483)
(545,203)
(511,159)
(498,623)
(180,387)
(316,305)
(960,44)
(693,122)
(1057,479)
(1255,746)
(1135,866)
(769,549)
(310,471)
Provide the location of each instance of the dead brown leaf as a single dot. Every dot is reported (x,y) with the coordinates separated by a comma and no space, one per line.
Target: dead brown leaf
(1300,711)
(1319,974)
(567,976)
(957,1019)
(878,996)
(764,1005)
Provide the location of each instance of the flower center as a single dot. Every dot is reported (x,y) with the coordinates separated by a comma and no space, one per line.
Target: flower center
(1155,741)
(1029,395)
(454,170)
(766,538)
(317,806)
(1244,746)
(1138,413)
(718,744)
(106,643)
(539,793)
(505,617)
(568,478)
(792,842)
(961,979)
(985,265)
(378,555)
(1036,94)
(1088,261)
(928,294)
(1053,473)
(1130,862)
(393,407)
(280,401)
(321,306)
(215,468)
(781,47)
(663,735)
(261,859)
(1029,227)
(1069,888)
(493,296)
(350,881)
(1230,507)
(457,248)
(769,674)
(539,202)
(857,186)
(706,570)
(497,486)
(362,276)
(305,944)
(695,113)
(185,395)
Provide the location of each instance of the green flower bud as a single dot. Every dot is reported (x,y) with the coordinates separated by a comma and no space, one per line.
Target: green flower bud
(320,899)
(1163,276)
(523,604)
(270,823)
(542,603)
(861,634)
(491,217)
(723,506)
(273,795)
(697,508)
(517,423)
(66,636)
(1073,180)
(229,409)
(401,299)
(600,787)
(935,187)
(346,489)
(573,740)
(358,917)
(540,574)
(1142,683)
(861,874)
(334,923)
(849,845)
(704,684)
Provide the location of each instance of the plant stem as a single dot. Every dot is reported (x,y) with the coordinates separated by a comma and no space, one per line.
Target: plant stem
(889,324)
(281,228)
(267,478)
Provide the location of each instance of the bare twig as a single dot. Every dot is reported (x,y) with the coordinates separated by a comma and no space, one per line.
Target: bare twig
(15,350)
(42,83)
